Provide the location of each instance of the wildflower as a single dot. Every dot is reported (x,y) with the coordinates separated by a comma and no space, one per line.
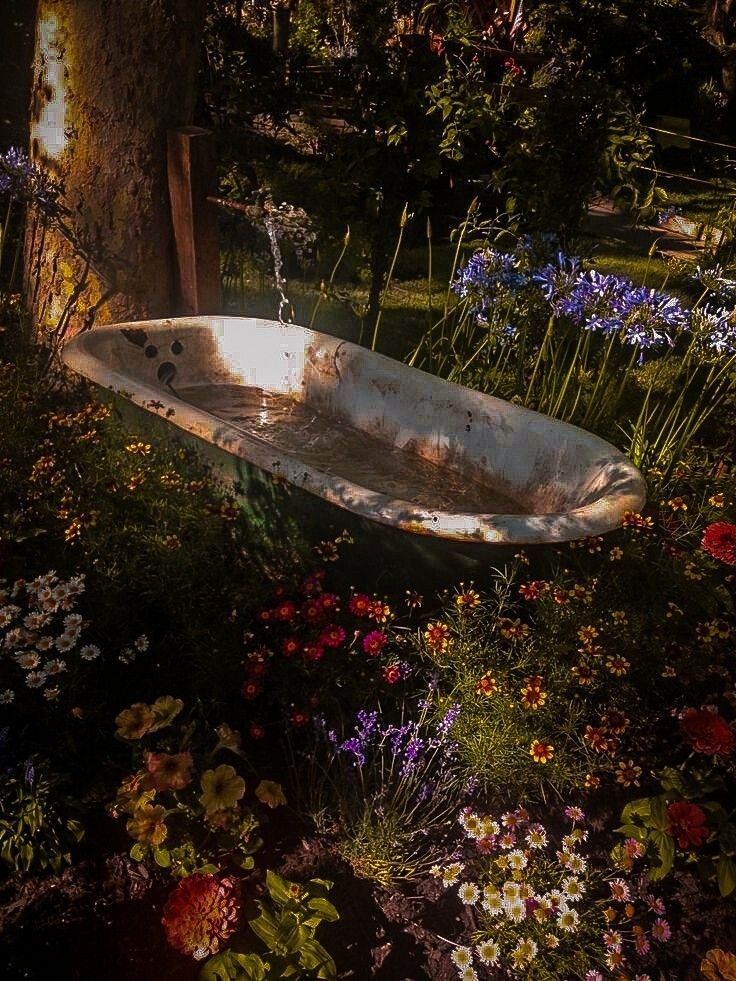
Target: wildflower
(618,665)
(513,629)
(28,660)
(141,643)
(492,902)
(541,752)
(636,521)
(487,685)
(222,788)
(462,957)
(614,721)
(719,540)
(452,873)
(200,914)
(333,636)
(7,697)
(628,773)
(524,953)
(533,590)
(374,642)
(574,813)
(134,722)
(467,600)
(299,718)
(568,920)
(536,837)
(717,500)
(54,666)
(270,793)
(573,889)
(632,848)
(707,732)
(138,448)
(413,599)
(360,605)
(532,697)
(147,824)
(468,893)
(170,771)
(488,952)
(587,634)
(437,636)
(517,860)
(89,652)
(620,891)
(583,672)
(379,611)
(661,930)
(615,554)
(687,823)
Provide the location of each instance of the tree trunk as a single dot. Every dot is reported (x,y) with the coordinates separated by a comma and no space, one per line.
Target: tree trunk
(109,80)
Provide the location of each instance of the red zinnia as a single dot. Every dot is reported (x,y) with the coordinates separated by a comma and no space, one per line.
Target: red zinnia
(200,914)
(374,642)
(719,540)
(707,732)
(687,824)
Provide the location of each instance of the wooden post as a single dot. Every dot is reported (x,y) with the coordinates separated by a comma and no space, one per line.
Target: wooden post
(191,166)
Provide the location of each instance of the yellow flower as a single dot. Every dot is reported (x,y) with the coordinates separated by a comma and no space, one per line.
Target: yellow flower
(134,722)
(270,793)
(165,710)
(228,738)
(222,788)
(134,792)
(541,752)
(147,824)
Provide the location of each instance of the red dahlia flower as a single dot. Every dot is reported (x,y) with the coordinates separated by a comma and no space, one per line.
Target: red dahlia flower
(200,914)
(719,540)
(687,824)
(707,732)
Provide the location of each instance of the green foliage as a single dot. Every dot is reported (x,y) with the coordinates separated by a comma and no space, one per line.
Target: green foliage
(647,821)
(282,942)
(36,829)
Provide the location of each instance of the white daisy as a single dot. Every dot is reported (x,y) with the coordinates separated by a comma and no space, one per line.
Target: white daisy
(7,696)
(488,952)
(35,679)
(462,957)
(89,652)
(468,893)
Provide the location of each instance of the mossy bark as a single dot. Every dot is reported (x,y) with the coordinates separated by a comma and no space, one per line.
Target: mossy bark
(108,81)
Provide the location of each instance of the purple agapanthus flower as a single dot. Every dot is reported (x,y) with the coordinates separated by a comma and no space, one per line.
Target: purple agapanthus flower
(485,275)
(19,178)
(716,329)
(557,281)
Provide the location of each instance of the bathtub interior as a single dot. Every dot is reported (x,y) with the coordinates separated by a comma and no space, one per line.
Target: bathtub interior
(546,467)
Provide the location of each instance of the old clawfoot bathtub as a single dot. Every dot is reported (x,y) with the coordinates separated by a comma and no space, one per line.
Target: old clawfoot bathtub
(364,433)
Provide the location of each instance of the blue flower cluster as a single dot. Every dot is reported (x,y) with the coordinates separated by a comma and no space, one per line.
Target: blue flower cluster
(716,329)
(21,179)
(486,275)
(602,302)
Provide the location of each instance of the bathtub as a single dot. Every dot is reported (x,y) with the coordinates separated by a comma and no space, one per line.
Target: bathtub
(366,435)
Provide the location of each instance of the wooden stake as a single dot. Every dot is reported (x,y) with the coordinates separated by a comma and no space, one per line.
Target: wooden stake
(191,166)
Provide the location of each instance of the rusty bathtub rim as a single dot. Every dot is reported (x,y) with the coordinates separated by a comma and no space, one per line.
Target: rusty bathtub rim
(600,516)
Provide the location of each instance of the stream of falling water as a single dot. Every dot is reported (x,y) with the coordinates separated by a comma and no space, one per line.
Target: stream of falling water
(285,308)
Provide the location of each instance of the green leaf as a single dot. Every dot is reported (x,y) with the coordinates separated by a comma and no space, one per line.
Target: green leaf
(162,857)
(325,909)
(280,889)
(665,846)
(313,957)
(632,831)
(138,852)
(726,873)
(659,817)
(230,966)
(266,928)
